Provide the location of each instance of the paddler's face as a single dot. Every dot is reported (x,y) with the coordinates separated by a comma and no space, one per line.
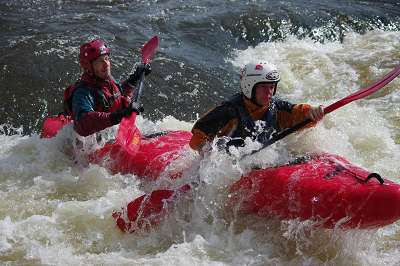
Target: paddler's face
(264,92)
(102,67)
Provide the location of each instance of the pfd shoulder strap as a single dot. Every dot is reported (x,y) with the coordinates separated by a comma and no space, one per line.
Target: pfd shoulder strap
(68,93)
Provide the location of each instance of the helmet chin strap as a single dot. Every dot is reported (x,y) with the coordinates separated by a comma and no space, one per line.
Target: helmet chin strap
(253,94)
(90,72)
(253,97)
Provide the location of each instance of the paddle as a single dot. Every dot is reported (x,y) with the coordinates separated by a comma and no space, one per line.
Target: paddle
(148,51)
(364,92)
(128,135)
(149,209)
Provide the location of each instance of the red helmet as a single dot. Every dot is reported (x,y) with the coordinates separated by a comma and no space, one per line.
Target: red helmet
(91,51)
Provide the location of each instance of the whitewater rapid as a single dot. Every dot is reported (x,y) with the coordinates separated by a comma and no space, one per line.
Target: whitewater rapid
(56,211)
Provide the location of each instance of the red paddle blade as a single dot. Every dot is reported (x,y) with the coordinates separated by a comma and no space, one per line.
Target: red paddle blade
(128,135)
(365,91)
(149,49)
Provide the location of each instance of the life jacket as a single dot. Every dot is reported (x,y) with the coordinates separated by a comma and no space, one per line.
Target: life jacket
(106,100)
(247,126)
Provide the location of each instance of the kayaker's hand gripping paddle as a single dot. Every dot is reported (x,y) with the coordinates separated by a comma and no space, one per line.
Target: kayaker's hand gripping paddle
(128,135)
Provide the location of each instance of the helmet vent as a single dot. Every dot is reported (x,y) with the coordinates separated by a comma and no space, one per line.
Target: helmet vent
(273,75)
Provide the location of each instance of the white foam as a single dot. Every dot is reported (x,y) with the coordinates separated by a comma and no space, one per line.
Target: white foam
(57,212)
(323,73)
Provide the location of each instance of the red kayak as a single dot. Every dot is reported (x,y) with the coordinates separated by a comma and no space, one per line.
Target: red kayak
(325,188)
(322,187)
(146,157)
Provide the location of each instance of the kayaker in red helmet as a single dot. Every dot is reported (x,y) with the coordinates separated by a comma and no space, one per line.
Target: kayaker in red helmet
(254,112)
(96,101)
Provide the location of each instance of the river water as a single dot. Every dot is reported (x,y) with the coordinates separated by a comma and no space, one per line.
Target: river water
(55,211)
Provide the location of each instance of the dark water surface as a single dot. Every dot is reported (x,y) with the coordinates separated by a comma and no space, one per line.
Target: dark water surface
(40,40)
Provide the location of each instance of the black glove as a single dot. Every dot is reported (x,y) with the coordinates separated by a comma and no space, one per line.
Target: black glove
(135,107)
(133,78)
(117,116)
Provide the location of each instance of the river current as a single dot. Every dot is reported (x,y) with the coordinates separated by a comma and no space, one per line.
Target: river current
(56,211)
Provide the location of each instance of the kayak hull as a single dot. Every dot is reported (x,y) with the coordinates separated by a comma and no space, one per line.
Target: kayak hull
(52,125)
(130,152)
(326,188)
(323,187)
(152,156)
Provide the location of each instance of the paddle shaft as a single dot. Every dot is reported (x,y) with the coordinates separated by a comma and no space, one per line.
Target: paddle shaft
(139,89)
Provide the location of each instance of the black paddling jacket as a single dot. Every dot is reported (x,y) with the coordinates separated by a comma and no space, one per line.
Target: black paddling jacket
(239,118)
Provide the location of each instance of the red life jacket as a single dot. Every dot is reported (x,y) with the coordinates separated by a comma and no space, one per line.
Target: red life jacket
(107,94)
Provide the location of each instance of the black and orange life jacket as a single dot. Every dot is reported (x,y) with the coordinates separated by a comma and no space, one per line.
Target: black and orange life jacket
(247,126)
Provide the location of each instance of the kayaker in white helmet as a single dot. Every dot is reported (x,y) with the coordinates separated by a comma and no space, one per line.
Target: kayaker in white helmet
(237,118)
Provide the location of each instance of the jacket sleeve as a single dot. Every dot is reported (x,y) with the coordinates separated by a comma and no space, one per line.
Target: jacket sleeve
(199,138)
(82,102)
(298,114)
(86,120)
(210,125)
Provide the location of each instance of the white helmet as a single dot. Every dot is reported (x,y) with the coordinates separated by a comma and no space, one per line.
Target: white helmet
(252,74)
